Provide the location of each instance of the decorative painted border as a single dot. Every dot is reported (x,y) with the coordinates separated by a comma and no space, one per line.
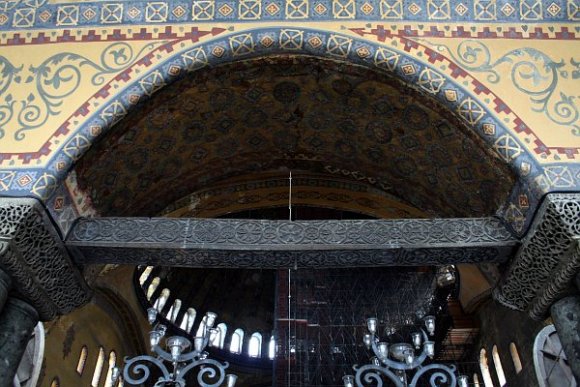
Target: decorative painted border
(455,89)
(396,59)
(35,14)
(381,31)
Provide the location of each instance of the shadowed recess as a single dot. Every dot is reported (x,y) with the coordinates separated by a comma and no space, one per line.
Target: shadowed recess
(261,118)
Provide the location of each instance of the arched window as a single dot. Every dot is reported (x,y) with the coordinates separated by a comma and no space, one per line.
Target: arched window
(550,362)
(188,320)
(516,358)
(153,287)
(98,368)
(174,310)
(272,348)
(237,341)
(484,366)
(160,302)
(498,366)
(112,363)
(476,380)
(220,336)
(201,329)
(146,273)
(255,345)
(82,360)
(55,382)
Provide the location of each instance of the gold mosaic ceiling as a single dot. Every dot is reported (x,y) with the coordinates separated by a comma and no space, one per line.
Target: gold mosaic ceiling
(253,121)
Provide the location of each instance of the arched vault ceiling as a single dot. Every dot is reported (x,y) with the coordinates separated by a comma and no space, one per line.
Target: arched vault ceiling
(273,115)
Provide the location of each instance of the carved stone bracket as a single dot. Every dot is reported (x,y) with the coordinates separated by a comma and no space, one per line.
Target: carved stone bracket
(545,266)
(32,253)
(280,244)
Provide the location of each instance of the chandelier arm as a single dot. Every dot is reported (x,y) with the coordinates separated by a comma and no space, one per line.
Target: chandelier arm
(162,353)
(190,356)
(211,369)
(443,377)
(396,364)
(371,373)
(134,366)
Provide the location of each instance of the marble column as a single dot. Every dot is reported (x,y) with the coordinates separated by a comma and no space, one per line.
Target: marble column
(17,321)
(5,284)
(566,316)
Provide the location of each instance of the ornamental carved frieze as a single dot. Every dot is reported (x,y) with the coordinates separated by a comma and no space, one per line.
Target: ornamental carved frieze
(281,244)
(32,253)
(545,266)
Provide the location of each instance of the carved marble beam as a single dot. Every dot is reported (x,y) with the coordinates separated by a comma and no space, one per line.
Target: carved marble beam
(32,254)
(278,244)
(545,266)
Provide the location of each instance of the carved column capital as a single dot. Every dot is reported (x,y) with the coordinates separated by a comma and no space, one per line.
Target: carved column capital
(32,254)
(546,264)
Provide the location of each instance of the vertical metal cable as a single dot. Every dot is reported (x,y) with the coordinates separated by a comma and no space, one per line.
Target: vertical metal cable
(289,274)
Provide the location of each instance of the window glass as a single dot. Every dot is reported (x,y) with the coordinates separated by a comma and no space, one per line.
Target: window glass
(516,358)
(188,320)
(272,348)
(160,302)
(484,366)
(237,341)
(219,338)
(153,287)
(255,345)
(98,368)
(476,380)
(82,360)
(112,362)
(146,273)
(174,310)
(498,366)
(201,329)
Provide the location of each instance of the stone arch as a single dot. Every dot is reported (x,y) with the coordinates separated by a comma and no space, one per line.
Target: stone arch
(452,87)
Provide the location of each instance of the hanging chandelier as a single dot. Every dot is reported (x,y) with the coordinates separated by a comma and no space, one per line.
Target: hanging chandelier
(178,360)
(402,363)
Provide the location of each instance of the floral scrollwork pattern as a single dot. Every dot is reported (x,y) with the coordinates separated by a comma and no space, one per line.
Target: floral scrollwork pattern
(544,265)
(375,374)
(136,372)
(434,375)
(532,72)
(33,256)
(55,79)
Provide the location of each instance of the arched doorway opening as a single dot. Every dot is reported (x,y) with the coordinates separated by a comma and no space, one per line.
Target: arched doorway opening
(224,140)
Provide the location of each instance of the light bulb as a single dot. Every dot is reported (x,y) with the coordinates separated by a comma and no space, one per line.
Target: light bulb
(430,324)
(367,339)
(463,381)
(162,329)
(115,373)
(348,380)
(177,345)
(416,339)
(383,350)
(409,357)
(231,380)
(199,344)
(430,348)
(372,325)
(152,315)
(154,338)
